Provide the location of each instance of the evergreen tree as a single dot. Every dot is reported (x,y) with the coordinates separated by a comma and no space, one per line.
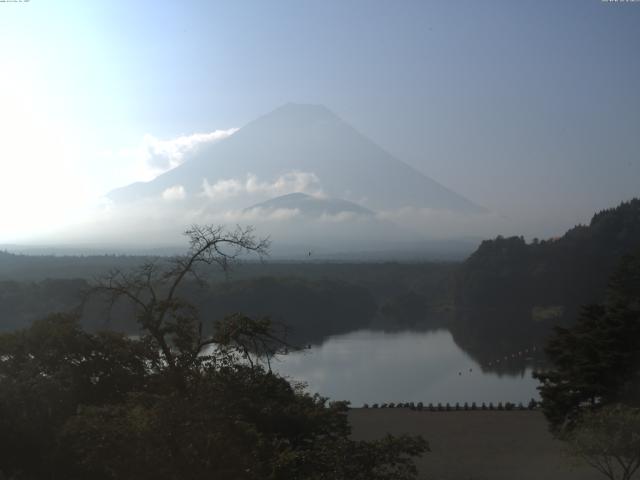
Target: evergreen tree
(597,361)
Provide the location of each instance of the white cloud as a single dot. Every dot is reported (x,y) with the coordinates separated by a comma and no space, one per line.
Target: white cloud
(339,217)
(289,182)
(283,214)
(222,189)
(174,193)
(167,154)
(258,214)
(153,156)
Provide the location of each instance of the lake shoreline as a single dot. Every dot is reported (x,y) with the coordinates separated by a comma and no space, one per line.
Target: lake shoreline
(367,367)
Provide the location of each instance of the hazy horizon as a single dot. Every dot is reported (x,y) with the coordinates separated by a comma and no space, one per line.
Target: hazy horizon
(531,110)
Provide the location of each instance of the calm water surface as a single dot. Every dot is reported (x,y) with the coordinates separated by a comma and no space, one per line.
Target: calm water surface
(377,367)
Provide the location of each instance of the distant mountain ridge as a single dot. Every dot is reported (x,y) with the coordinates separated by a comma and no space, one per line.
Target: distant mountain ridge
(313,140)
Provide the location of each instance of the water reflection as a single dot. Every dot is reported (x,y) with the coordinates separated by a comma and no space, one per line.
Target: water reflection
(376,367)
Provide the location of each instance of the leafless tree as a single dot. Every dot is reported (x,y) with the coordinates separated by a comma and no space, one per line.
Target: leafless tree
(608,439)
(153,289)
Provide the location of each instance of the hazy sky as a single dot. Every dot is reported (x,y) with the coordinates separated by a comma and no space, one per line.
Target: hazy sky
(530,108)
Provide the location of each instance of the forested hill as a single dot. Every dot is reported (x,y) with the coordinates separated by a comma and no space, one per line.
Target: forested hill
(508,287)
(21,267)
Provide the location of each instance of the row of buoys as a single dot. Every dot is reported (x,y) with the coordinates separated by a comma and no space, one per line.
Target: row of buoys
(532,405)
(506,358)
(514,355)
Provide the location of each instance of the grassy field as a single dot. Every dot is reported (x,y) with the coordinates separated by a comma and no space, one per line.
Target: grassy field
(477,445)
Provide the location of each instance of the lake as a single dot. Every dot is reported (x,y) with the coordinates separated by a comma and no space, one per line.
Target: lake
(368,366)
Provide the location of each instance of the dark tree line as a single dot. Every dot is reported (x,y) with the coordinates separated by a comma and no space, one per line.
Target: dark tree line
(178,402)
(517,291)
(571,270)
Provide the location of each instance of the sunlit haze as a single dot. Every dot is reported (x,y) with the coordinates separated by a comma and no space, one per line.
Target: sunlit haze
(319,239)
(530,110)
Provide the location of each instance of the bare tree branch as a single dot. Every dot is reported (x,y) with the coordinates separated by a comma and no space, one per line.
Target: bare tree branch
(152,289)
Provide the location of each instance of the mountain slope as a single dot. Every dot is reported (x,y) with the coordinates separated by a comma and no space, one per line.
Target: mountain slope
(312,140)
(570,270)
(311,206)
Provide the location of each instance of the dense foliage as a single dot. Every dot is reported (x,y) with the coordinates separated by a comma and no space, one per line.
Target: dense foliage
(517,291)
(596,362)
(23,302)
(316,300)
(177,402)
(75,405)
(312,309)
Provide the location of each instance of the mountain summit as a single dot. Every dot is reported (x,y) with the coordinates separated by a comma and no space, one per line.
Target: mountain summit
(300,148)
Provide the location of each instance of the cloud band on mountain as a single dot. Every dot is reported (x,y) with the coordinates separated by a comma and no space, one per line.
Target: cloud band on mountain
(176,192)
(164,155)
(289,182)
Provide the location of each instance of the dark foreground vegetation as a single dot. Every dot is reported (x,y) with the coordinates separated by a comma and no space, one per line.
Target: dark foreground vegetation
(591,395)
(176,402)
